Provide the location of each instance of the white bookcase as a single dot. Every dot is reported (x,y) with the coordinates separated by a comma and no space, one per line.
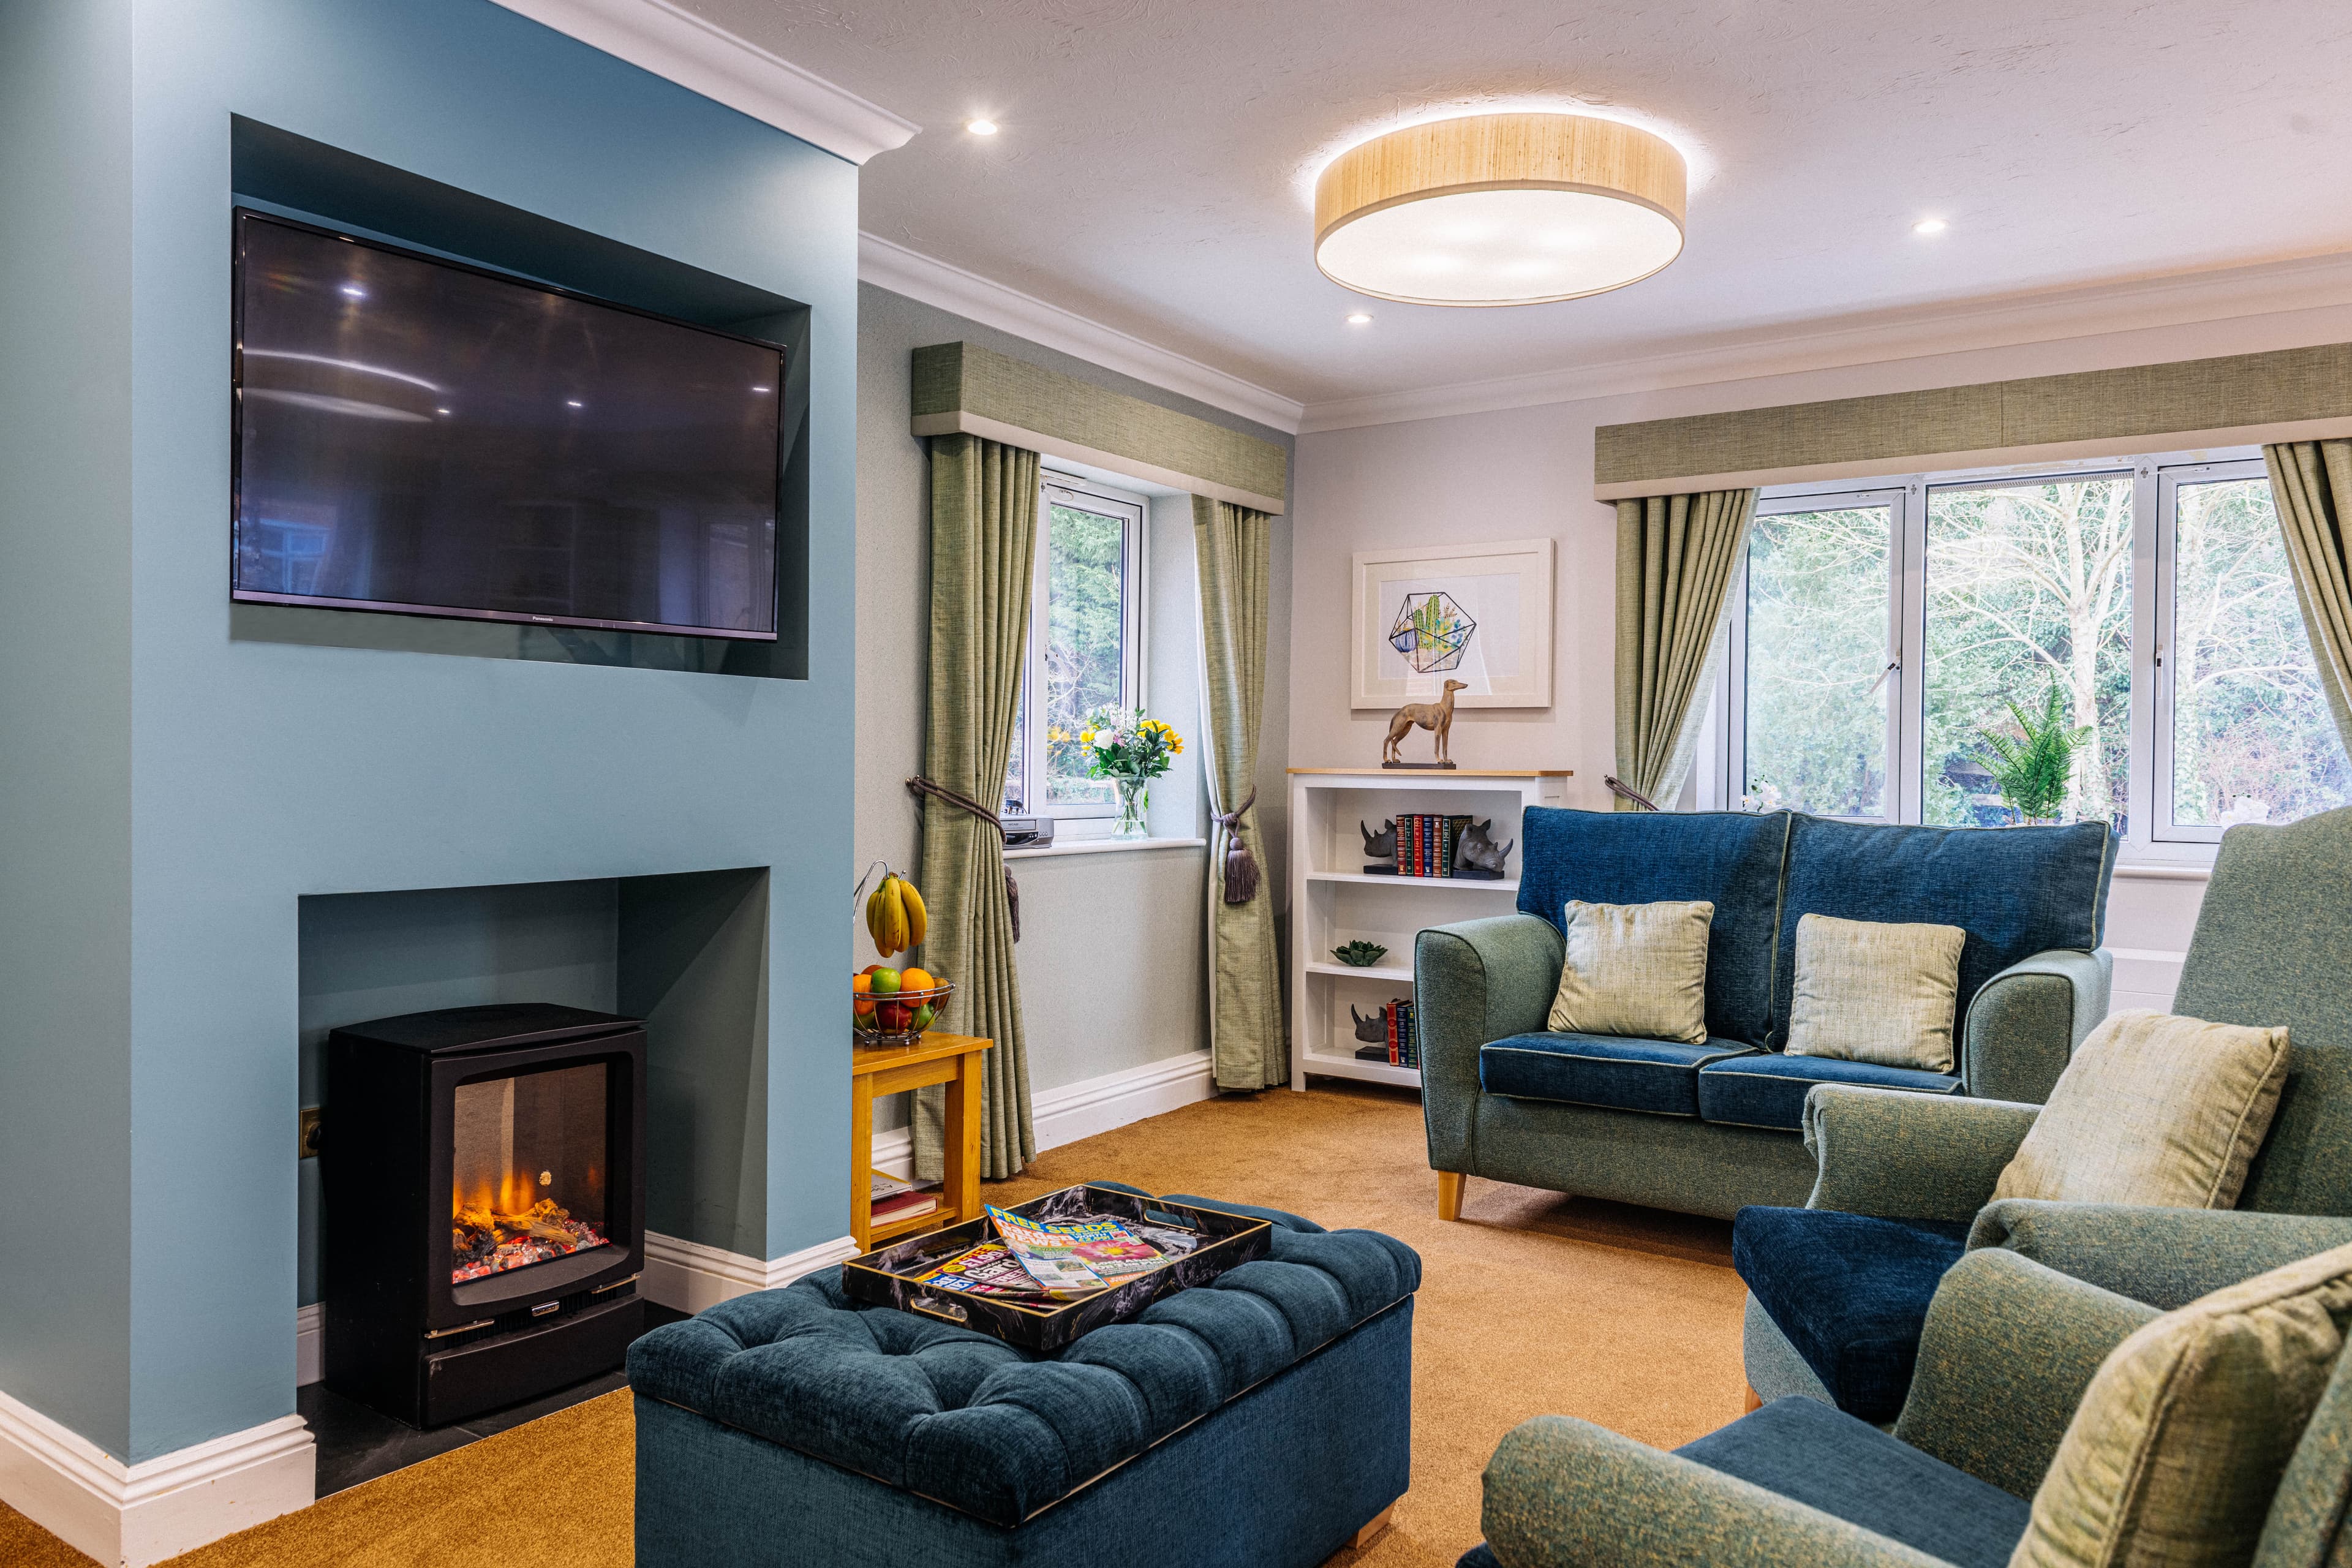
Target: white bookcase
(1334,902)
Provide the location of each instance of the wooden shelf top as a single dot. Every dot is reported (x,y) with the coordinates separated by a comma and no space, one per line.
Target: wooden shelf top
(1410,774)
(931,1049)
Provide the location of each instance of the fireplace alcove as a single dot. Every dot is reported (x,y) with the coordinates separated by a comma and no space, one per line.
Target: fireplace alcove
(685,952)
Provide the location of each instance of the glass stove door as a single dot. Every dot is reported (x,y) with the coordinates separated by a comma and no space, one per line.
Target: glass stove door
(532,1161)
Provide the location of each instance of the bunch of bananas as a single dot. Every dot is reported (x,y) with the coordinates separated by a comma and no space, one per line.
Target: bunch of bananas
(894,915)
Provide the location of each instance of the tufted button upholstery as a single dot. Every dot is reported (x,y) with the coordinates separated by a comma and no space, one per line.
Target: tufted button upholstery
(970,1421)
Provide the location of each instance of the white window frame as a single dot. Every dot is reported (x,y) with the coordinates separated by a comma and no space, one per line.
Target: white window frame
(2157,478)
(1133,511)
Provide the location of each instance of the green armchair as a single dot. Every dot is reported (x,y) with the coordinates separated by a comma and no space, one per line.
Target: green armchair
(2272,945)
(2009,1346)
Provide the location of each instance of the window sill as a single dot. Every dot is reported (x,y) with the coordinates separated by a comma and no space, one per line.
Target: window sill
(2164,871)
(1102,847)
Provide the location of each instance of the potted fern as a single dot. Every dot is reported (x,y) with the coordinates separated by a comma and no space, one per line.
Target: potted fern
(2034,770)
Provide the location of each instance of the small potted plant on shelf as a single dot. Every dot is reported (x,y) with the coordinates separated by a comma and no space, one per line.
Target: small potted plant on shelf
(1360,953)
(2034,770)
(1121,745)
(888,1006)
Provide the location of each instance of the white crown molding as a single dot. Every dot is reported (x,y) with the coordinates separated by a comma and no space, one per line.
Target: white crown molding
(675,44)
(128,1516)
(889,265)
(2183,300)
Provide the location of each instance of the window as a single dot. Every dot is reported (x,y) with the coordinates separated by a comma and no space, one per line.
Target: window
(1880,637)
(1085,643)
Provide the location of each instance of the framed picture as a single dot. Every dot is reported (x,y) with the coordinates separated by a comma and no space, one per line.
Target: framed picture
(1479,614)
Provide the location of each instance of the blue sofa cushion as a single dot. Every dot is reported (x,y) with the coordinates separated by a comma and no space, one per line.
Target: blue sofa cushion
(1619,1072)
(1768,1088)
(1849,1291)
(997,1432)
(1733,859)
(1808,1453)
(2016,891)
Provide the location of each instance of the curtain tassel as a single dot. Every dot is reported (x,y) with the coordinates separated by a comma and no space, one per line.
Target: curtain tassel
(1241,866)
(919,788)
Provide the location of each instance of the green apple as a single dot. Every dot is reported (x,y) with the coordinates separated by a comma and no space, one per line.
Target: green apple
(885,982)
(923,1017)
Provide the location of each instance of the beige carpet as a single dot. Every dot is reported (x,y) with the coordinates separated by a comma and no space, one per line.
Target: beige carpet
(1534,1304)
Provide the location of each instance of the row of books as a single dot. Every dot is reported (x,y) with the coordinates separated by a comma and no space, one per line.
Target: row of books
(1402,1048)
(1425,843)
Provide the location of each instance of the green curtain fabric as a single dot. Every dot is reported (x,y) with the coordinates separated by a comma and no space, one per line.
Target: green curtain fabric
(2311,483)
(984,549)
(1676,556)
(1233,545)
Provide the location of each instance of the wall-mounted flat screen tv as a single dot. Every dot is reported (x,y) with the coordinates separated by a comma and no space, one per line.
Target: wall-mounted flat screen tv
(425,437)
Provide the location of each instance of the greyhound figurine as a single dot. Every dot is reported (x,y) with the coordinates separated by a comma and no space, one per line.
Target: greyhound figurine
(1437,718)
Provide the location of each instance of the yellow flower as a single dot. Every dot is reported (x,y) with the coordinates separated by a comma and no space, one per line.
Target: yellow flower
(1175,745)
(1056,732)
(1087,737)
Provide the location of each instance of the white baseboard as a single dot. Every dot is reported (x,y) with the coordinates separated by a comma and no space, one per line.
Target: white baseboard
(128,1516)
(688,1277)
(1081,1109)
(309,1340)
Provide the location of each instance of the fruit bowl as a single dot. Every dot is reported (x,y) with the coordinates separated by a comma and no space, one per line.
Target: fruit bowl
(890,1020)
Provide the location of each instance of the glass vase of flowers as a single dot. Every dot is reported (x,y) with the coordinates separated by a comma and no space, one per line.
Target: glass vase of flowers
(1130,751)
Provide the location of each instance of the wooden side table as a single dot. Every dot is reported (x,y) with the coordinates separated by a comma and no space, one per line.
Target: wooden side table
(951,1059)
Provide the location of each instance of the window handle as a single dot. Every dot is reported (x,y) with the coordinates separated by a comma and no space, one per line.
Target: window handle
(1891,665)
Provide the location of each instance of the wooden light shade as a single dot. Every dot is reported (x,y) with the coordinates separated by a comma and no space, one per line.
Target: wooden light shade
(1500,209)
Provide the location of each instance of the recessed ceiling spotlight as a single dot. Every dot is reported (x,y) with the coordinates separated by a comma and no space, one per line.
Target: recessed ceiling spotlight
(355,291)
(440,411)
(1929,226)
(1360,318)
(758,389)
(980,127)
(573,403)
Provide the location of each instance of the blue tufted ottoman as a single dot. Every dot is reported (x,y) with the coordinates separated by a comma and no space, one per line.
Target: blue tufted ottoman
(1260,1420)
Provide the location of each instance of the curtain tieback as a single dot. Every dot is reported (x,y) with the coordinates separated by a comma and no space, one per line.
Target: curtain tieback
(1241,866)
(919,788)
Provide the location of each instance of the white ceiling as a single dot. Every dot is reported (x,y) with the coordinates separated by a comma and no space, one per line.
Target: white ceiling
(1154,169)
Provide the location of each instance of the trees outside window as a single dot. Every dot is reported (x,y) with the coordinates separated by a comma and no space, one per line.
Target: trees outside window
(1085,644)
(1879,636)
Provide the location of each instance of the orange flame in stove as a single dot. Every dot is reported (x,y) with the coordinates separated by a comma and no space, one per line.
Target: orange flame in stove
(515,1195)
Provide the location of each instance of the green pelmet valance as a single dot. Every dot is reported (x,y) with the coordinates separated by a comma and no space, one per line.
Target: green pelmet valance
(2287,395)
(965,388)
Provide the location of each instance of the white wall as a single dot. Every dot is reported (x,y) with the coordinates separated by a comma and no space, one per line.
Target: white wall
(1528,472)
(1112,950)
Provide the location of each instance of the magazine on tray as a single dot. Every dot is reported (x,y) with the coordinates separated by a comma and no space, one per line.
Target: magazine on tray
(1058,1260)
(988,1269)
(1049,1259)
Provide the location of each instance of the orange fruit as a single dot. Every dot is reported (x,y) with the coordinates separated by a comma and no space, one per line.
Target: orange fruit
(861,983)
(914,980)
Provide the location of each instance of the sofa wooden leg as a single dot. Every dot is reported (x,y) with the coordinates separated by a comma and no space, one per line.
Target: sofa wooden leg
(1755,1401)
(1449,1194)
(1374,1525)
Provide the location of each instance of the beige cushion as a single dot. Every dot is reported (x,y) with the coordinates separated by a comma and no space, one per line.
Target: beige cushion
(1870,992)
(1635,969)
(2153,1110)
(2180,1442)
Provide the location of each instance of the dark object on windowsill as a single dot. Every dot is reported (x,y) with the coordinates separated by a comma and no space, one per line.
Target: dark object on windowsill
(1625,791)
(1028,832)
(1360,954)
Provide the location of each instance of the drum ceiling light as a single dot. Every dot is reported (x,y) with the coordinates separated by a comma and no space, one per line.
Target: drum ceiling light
(1500,209)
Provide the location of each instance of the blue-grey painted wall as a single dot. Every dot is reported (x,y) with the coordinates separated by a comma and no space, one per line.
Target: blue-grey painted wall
(262,773)
(65,712)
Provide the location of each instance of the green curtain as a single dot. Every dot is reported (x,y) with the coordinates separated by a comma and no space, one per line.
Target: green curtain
(1245,1042)
(1676,556)
(983,548)
(2311,483)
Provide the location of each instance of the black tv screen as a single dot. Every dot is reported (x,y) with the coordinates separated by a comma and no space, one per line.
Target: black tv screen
(421,437)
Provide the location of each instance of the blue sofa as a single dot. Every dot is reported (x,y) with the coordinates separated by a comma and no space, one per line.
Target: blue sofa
(1707,1129)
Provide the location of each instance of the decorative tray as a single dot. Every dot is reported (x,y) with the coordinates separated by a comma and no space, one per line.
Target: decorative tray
(887,1277)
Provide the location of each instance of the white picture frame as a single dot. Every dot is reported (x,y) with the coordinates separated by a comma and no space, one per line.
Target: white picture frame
(1480,614)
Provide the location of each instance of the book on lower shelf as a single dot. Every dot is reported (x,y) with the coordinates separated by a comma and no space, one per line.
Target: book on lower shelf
(1403,1046)
(895,1200)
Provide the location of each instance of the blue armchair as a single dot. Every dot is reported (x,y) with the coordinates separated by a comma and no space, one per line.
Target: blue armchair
(1837,1298)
